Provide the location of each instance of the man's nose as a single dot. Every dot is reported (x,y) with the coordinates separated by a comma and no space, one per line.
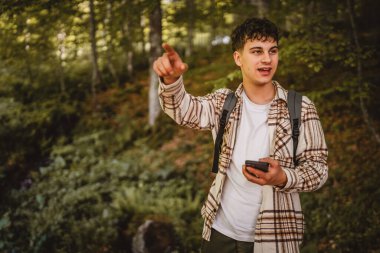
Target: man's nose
(266,58)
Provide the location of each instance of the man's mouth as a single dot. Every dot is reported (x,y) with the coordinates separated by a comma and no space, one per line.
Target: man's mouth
(265,71)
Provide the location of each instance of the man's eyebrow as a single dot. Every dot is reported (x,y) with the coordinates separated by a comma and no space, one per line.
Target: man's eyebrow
(255,48)
(261,48)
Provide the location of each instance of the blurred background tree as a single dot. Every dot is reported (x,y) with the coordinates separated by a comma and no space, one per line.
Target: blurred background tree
(83,164)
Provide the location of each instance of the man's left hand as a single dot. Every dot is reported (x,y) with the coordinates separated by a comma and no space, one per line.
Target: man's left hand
(275,175)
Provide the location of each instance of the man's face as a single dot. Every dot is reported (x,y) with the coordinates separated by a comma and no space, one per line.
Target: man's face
(258,61)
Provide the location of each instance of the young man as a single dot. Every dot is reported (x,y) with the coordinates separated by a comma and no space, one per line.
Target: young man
(248,210)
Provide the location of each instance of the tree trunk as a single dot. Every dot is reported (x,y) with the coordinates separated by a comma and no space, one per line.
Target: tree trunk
(127,43)
(142,34)
(96,78)
(190,8)
(61,72)
(28,64)
(128,49)
(130,63)
(359,70)
(214,24)
(27,59)
(108,37)
(155,39)
(262,7)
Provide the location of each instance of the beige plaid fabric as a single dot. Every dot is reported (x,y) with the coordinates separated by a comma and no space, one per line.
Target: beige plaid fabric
(280,224)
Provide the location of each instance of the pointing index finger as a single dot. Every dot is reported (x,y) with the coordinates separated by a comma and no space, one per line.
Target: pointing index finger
(168,48)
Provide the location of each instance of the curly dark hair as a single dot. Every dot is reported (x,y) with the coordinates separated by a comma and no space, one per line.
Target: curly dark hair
(251,29)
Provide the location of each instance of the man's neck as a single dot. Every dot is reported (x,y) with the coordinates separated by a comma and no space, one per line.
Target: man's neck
(260,94)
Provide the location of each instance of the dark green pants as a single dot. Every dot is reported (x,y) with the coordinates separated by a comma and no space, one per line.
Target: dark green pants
(220,243)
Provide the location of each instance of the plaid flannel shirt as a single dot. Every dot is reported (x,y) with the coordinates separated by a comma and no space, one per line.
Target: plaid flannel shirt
(280,223)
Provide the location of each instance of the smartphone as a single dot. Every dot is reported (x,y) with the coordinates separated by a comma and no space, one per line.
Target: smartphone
(263,166)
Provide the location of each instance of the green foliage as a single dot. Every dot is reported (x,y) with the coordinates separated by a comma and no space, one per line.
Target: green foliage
(226,81)
(84,203)
(318,57)
(27,133)
(341,218)
(75,177)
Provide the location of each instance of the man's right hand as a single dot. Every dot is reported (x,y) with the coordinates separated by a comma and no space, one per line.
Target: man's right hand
(169,66)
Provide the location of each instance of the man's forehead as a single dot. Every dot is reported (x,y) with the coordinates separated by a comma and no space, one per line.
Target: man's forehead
(268,42)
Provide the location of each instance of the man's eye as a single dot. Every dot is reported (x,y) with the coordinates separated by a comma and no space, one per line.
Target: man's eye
(274,51)
(257,51)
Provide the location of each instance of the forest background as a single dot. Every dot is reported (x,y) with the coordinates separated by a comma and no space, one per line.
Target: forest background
(86,157)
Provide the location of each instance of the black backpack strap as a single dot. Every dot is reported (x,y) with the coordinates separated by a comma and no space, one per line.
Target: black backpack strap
(294,107)
(228,106)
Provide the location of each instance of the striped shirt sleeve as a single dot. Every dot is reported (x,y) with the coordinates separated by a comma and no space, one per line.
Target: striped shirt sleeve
(187,110)
(312,170)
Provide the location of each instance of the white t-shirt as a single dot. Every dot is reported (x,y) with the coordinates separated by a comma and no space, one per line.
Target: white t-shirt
(241,199)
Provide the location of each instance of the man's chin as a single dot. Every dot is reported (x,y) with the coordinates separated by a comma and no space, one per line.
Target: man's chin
(260,81)
(264,81)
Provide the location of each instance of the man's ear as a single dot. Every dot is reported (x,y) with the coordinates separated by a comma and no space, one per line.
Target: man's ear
(237,57)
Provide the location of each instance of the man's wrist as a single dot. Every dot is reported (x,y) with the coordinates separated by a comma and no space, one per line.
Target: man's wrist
(284,179)
(169,80)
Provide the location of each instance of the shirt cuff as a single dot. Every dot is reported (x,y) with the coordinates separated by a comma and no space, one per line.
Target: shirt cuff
(172,88)
(291,179)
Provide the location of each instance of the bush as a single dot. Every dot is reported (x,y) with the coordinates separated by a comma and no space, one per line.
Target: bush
(83,202)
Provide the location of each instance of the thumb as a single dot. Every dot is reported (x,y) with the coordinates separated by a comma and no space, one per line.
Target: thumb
(180,68)
(184,67)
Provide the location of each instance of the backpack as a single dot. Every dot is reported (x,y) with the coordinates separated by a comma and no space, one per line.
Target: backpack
(294,106)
